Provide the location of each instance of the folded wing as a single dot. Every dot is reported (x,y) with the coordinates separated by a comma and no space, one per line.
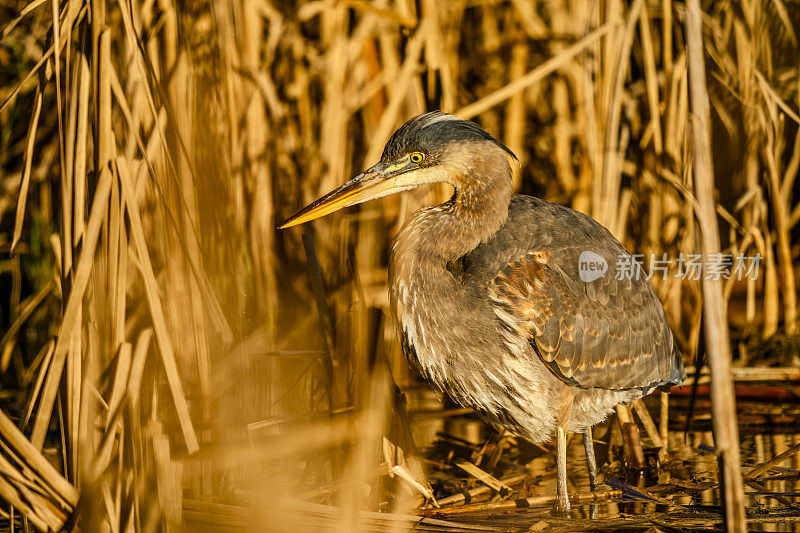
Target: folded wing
(608,333)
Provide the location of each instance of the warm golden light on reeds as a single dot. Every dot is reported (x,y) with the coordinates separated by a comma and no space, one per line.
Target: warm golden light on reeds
(168,358)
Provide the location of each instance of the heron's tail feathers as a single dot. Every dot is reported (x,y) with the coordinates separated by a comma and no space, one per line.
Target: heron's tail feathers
(677,373)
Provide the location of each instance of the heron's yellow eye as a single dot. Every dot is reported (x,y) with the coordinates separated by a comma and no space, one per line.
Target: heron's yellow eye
(416,157)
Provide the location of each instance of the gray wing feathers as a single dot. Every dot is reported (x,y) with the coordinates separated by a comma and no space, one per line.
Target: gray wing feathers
(608,333)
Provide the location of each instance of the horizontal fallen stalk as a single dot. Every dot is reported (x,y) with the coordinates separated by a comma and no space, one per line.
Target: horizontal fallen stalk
(783,392)
(521,503)
(749,374)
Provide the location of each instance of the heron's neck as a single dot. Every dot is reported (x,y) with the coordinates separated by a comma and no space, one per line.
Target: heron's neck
(477,210)
(429,303)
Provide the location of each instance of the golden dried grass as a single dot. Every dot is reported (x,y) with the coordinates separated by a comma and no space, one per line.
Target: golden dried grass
(189,129)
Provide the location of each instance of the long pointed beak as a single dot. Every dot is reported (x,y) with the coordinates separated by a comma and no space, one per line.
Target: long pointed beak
(376,182)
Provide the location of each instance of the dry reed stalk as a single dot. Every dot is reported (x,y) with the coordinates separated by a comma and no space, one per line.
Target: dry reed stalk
(154,302)
(25,310)
(779,207)
(745,374)
(225,115)
(766,465)
(33,459)
(563,136)
(632,442)
(715,314)
(647,421)
(514,134)
(533,76)
(389,119)
(26,173)
(168,474)
(482,489)
(72,309)
(522,503)
(608,210)
(482,476)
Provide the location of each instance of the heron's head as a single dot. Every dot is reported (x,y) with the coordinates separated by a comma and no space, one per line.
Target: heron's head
(430,148)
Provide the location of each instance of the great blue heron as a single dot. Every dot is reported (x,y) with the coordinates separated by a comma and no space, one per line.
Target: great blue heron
(487,296)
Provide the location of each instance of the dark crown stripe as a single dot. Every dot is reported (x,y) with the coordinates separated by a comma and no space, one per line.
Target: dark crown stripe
(433,130)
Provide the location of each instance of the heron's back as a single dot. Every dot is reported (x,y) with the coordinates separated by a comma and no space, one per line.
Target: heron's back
(618,313)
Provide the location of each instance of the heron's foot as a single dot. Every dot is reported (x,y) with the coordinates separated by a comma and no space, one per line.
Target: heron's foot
(593,511)
(562,499)
(563,506)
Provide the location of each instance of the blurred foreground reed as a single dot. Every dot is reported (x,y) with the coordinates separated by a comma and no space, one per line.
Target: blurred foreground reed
(163,351)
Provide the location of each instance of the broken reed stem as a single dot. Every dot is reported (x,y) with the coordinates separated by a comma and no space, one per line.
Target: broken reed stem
(482,476)
(760,469)
(482,489)
(631,440)
(723,401)
(647,422)
(36,461)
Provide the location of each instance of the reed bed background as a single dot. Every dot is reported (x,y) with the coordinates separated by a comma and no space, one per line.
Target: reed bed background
(168,356)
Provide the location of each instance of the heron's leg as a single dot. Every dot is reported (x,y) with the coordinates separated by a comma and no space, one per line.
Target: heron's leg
(562,502)
(588,445)
(565,408)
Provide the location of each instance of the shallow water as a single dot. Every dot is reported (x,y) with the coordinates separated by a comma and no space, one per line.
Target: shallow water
(680,492)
